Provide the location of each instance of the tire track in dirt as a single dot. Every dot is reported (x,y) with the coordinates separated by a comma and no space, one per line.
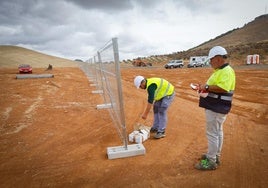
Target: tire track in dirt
(27,118)
(5,114)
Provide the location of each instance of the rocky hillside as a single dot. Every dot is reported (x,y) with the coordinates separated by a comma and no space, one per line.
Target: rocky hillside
(252,38)
(253,32)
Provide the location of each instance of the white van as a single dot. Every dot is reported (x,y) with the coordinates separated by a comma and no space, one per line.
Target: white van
(198,61)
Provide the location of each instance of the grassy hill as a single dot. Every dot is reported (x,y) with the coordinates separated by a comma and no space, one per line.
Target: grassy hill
(12,56)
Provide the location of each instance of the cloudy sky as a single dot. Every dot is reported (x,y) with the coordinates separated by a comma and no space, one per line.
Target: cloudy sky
(76,29)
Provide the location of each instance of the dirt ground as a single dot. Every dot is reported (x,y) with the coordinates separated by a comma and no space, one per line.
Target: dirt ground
(52,135)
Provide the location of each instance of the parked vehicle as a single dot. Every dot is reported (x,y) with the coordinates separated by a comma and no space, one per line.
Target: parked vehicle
(139,63)
(198,61)
(174,64)
(25,68)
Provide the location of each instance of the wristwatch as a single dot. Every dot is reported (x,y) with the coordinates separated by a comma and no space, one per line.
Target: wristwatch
(206,87)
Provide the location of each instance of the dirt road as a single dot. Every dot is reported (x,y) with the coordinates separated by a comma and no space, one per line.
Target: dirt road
(52,135)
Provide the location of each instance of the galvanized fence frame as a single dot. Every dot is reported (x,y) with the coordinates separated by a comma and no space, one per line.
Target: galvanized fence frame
(105,70)
(108,58)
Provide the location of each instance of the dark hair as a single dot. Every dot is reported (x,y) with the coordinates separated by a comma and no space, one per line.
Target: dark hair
(223,56)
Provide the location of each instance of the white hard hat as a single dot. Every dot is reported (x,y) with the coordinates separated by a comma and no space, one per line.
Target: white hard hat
(138,80)
(216,50)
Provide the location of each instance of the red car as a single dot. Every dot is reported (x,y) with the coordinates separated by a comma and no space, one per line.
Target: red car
(25,68)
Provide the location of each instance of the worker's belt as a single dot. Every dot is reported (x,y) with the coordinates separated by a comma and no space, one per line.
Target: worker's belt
(222,97)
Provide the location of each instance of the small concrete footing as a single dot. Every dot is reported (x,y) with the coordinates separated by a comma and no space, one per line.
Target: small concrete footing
(122,151)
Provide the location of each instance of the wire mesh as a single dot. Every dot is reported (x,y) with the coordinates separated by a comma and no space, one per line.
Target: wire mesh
(108,57)
(86,67)
(106,71)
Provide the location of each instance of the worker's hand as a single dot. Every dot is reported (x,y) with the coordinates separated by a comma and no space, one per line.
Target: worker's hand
(202,91)
(202,88)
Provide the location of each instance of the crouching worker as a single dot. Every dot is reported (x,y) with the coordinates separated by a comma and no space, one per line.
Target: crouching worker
(160,95)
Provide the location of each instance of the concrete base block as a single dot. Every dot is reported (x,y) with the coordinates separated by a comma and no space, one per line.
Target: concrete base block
(97,91)
(103,106)
(25,76)
(122,152)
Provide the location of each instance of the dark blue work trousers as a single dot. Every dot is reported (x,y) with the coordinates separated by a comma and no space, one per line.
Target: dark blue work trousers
(160,112)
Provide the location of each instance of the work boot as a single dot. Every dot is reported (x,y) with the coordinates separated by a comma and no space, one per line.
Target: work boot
(153,130)
(159,135)
(218,162)
(206,164)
